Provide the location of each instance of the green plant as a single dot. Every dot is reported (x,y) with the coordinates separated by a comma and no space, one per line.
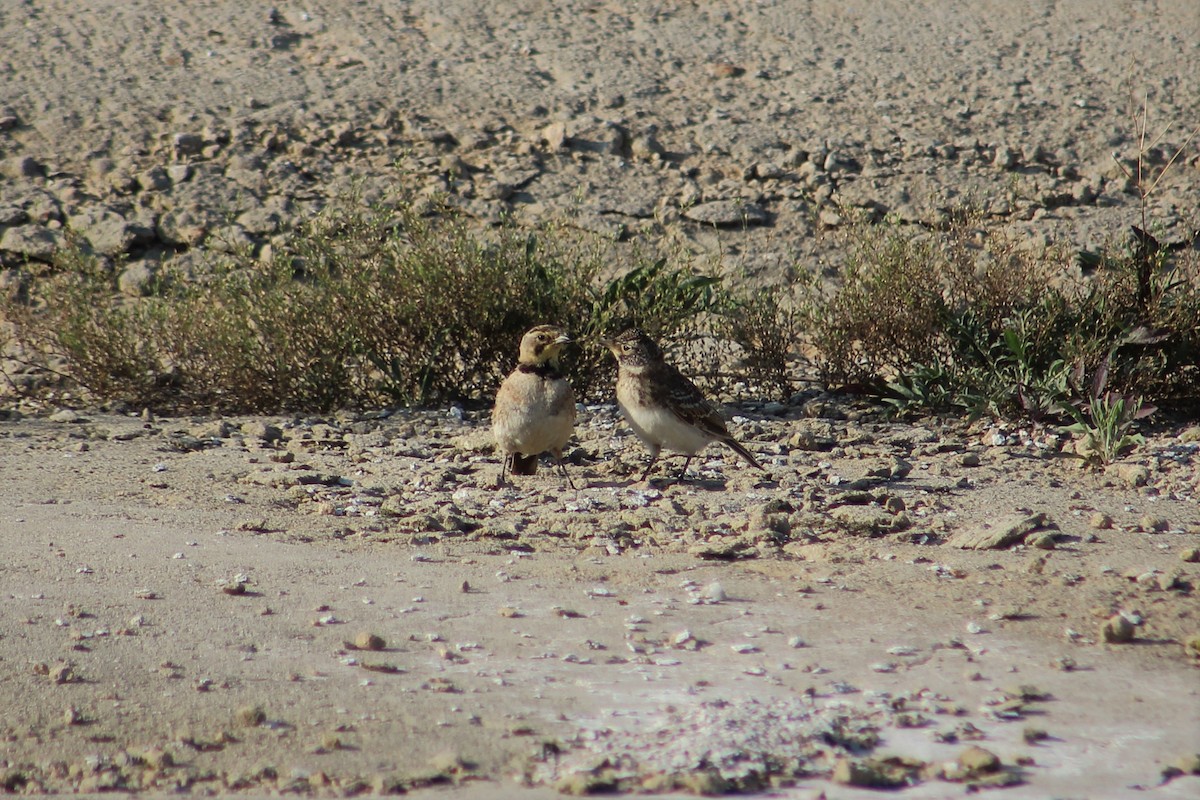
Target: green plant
(961,317)
(1148,252)
(1103,419)
(359,305)
(925,387)
(767,326)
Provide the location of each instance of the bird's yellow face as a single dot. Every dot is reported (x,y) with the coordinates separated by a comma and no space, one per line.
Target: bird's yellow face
(543,343)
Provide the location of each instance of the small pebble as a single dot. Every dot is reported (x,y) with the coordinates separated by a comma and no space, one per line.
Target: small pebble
(365,640)
(250,716)
(1153,524)
(1117,629)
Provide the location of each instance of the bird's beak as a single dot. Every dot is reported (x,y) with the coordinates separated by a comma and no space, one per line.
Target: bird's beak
(563,339)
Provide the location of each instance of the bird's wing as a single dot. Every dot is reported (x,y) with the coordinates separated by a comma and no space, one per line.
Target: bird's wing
(673,389)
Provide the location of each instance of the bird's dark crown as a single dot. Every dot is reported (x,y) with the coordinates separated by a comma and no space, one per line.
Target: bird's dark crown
(634,348)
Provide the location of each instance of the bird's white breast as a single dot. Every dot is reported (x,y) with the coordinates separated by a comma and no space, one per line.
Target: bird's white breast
(658,426)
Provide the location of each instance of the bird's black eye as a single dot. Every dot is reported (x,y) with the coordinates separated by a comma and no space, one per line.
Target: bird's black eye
(628,348)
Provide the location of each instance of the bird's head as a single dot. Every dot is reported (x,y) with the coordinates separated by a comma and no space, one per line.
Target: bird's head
(543,344)
(633,348)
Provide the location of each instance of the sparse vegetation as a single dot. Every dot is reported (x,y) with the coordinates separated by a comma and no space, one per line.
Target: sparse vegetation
(375,306)
(1103,420)
(959,319)
(361,306)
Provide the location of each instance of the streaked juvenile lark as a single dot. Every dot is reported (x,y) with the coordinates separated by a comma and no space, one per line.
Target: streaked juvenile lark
(663,407)
(535,405)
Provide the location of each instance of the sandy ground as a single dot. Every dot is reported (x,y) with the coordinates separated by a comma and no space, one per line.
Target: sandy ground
(182,597)
(521,616)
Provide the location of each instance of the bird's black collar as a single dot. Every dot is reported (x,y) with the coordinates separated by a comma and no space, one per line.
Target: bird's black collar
(546,370)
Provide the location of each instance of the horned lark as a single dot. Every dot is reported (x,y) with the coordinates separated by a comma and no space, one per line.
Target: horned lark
(663,407)
(535,406)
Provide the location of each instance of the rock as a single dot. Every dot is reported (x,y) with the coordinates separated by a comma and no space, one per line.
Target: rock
(1169,580)
(813,435)
(14,285)
(22,167)
(1117,629)
(1004,533)
(597,136)
(179,173)
(766,170)
(976,760)
(449,763)
(555,136)
(11,215)
(33,242)
(1042,541)
(186,144)
(63,673)
(1129,474)
(262,430)
(875,773)
(1192,646)
(230,239)
(388,784)
(1150,523)
(1101,521)
(138,279)
(1188,764)
(867,520)
(1190,554)
(154,179)
(727,213)
(365,640)
(715,593)
(250,716)
(107,231)
(646,146)
(184,227)
(264,220)
(233,586)
(1033,735)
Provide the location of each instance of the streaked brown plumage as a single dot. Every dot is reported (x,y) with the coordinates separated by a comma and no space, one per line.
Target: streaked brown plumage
(663,407)
(535,405)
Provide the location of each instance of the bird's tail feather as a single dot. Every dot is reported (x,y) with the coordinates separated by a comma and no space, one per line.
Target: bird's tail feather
(744,453)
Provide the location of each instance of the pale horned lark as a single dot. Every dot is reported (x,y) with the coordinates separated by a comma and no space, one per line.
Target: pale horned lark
(535,406)
(663,407)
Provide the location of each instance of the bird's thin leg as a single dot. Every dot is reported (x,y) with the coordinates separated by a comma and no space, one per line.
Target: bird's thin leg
(650,466)
(503,467)
(683,472)
(563,467)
